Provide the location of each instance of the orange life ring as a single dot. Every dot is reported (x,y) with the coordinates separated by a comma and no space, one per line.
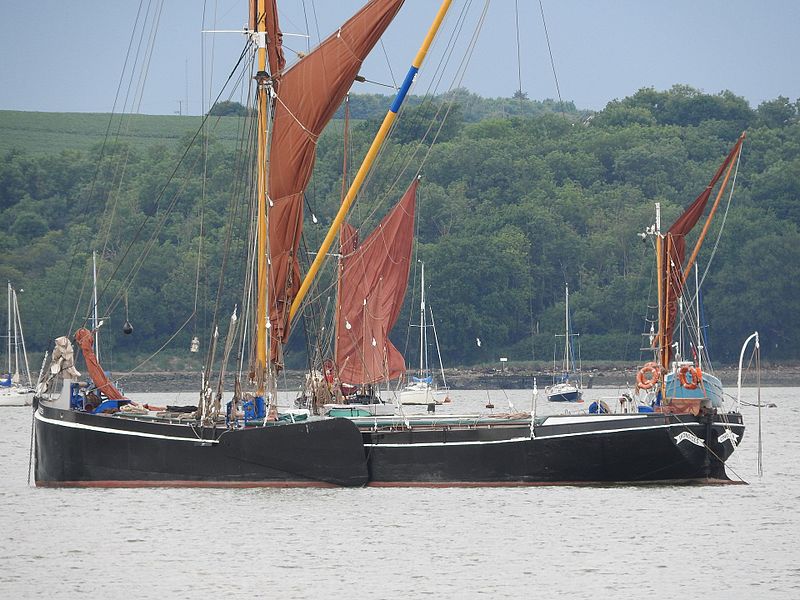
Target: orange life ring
(695,372)
(648,376)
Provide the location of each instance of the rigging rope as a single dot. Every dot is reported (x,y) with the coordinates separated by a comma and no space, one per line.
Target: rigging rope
(316,21)
(154,354)
(242,167)
(722,224)
(87,199)
(443,63)
(123,158)
(519,58)
(137,265)
(552,61)
(389,65)
(388,192)
(456,82)
(308,31)
(244,176)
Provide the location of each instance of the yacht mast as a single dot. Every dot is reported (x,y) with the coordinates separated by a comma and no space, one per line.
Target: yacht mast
(16,334)
(422,321)
(8,330)
(19,338)
(438,350)
(566,330)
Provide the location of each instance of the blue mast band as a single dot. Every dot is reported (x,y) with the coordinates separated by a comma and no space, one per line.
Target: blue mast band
(401,93)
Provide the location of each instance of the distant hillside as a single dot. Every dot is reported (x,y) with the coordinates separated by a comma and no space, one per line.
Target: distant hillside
(511,206)
(50,133)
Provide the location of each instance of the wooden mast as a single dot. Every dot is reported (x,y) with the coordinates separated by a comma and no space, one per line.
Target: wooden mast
(262,98)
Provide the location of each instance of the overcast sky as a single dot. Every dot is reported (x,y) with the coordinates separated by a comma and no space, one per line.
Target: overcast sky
(62,55)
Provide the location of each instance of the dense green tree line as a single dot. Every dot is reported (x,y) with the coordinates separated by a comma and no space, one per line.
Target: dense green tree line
(517,198)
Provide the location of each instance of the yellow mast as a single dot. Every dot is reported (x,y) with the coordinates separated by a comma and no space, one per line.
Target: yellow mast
(370,158)
(261,187)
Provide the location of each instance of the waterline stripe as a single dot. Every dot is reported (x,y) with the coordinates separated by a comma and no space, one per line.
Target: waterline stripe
(568,419)
(143,434)
(544,436)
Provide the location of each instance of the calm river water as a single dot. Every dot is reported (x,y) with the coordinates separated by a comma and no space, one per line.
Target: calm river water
(739,541)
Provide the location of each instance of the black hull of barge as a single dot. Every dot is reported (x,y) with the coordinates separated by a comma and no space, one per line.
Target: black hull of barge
(641,449)
(84,450)
(78,449)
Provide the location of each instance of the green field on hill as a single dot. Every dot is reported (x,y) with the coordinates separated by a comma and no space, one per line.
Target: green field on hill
(50,133)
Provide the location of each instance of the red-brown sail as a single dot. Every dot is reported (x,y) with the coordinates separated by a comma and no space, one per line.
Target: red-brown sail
(101,381)
(309,94)
(675,249)
(373,282)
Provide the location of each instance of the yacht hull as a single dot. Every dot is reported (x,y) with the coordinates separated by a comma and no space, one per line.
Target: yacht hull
(422,396)
(572,396)
(15,396)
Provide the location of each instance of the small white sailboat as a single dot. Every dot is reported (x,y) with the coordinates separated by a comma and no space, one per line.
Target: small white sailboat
(422,389)
(568,387)
(16,388)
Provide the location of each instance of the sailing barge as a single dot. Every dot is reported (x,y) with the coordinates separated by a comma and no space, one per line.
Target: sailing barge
(80,449)
(116,442)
